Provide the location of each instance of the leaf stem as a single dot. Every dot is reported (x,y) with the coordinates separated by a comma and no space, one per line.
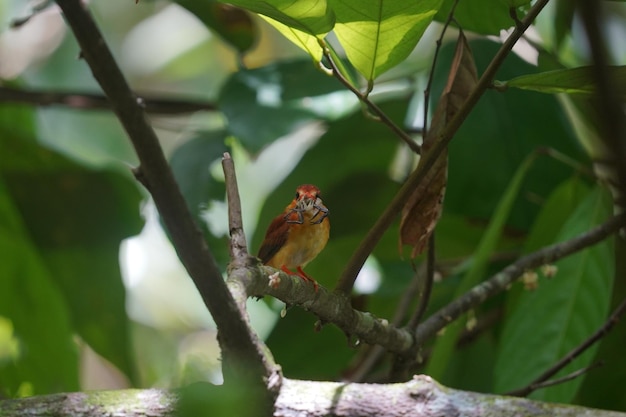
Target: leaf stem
(380,115)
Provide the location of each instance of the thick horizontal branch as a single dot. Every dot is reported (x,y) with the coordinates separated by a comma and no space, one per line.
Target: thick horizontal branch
(332,307)
(89,101)
(421,396)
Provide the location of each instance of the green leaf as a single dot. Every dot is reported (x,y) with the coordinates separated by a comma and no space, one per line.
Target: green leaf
(377,35)
(444,346)
(562,312)
(571,81)
(487,17)
(558,207)
(47,358)
(264,104)
(555,210)
(308,43)
(314,17)
(75,220)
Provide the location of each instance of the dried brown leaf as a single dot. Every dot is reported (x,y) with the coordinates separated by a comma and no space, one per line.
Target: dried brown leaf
(423,209)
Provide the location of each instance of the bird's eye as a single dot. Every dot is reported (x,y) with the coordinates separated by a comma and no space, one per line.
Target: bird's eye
(297,195)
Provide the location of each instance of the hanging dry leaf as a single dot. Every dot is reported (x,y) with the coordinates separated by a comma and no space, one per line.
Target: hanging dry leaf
(423,209)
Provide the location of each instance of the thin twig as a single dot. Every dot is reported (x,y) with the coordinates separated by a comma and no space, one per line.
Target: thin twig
(429,279)
(503,279)
(408,297)
(408,140)
(35,10)
(90,101)
(238,245)
(556,381)
(242,353)
(429,84)
(355,263)
(574,353)
(402,363)
(568,161)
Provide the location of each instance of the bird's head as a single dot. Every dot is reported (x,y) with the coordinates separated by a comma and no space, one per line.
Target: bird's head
(307,196)
(308,200)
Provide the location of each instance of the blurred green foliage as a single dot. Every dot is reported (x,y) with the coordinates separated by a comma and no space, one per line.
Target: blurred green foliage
(68,199)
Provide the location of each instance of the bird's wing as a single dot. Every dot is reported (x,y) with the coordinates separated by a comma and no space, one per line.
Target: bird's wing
(275,238)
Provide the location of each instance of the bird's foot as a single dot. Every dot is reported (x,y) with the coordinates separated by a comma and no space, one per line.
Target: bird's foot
(305,277)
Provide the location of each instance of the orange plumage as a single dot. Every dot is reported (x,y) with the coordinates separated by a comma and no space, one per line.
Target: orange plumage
(297,235)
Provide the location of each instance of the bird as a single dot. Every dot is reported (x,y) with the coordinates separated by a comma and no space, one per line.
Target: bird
(297,235)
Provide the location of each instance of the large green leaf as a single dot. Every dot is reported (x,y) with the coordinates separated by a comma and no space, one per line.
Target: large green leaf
(571,81)
(562,312)
(602,388)
(555,211)
(377,35)
(74,220)
(561,203)
(314,17)
(444,346)
(47,358)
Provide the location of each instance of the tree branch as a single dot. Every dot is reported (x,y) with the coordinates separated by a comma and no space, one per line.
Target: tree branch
(500,281)
(421,396)
(381,115)
(354,265)
(242,356)
(88,101)
(332,307)
(574,353)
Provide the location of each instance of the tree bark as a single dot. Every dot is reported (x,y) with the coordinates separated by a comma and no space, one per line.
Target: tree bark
(421,396)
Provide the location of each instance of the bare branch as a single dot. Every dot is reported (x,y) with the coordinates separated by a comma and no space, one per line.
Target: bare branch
(500,281)
(434,63)
(552,382)
(333,307)
(242,354)
(238,245)
(426,287)
(354,265)
(88,101)
(381,115)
